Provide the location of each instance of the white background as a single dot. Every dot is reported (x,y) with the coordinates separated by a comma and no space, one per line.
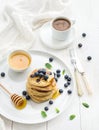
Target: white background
(87,20)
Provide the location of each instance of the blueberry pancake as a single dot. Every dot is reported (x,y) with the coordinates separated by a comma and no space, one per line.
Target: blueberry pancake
(41,85)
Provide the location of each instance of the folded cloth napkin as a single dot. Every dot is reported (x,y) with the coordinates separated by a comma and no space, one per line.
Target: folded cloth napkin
(19,20)
(2,125)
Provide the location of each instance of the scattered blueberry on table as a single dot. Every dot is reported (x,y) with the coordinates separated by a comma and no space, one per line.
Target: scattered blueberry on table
(80,45)
(89,58)
(2,74)
(83,34)
(69,92)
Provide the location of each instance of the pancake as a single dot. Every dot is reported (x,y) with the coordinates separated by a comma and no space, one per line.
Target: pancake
(38,92)
(42,82)
(40,99)
(45,89)
(40,89)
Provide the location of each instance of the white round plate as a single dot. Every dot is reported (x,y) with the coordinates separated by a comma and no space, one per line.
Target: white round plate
(49,41)
(15,82)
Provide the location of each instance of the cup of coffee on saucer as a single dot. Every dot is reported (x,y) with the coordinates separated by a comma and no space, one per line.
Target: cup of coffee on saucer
(61,27)
(59,33)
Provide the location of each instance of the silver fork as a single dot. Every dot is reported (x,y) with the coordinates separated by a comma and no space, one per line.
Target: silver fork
(76,73)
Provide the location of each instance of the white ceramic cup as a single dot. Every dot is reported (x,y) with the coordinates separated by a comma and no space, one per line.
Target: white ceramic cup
(61,35)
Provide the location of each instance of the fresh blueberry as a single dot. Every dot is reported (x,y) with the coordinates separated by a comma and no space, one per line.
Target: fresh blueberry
(66,76)
(65,85)
(28,97)
(24,93)
(32,75)
(50,102)
(83,34)
(89,58)
(45,77)
(56,79)
(43,71)
(68,83)
(58,71)
(37,80)
(46,108)
(2,74)
(79,45)
(36,74)
(50,73)
(39,71)
(69,79)
(69,91)
(58,75)
(60,91)
(41,74)
(54,74)
(50,59)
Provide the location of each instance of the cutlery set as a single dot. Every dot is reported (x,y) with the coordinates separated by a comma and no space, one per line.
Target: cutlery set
(79,72)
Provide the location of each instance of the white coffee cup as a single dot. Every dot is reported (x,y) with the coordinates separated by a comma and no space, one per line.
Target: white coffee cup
(61,34)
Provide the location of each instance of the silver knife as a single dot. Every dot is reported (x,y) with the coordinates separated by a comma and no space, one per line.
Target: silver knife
(82,72)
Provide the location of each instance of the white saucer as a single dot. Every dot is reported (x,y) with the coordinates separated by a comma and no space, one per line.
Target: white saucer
(46,38)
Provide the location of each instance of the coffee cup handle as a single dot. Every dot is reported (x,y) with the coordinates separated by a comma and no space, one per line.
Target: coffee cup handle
(73,22)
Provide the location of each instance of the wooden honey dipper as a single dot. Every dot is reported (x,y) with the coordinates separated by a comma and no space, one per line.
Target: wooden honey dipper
(17,100)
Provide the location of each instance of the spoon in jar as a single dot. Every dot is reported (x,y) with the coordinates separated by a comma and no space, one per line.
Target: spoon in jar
(18,101)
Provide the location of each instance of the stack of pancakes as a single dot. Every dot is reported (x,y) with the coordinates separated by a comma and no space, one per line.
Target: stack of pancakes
(39,89)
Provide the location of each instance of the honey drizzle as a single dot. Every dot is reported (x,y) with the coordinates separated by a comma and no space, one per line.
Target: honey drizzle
(56,94)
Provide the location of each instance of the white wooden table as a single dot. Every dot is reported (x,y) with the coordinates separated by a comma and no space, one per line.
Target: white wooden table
(87,19)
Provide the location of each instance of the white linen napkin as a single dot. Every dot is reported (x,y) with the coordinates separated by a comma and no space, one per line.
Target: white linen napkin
(19,20)
(2,125)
